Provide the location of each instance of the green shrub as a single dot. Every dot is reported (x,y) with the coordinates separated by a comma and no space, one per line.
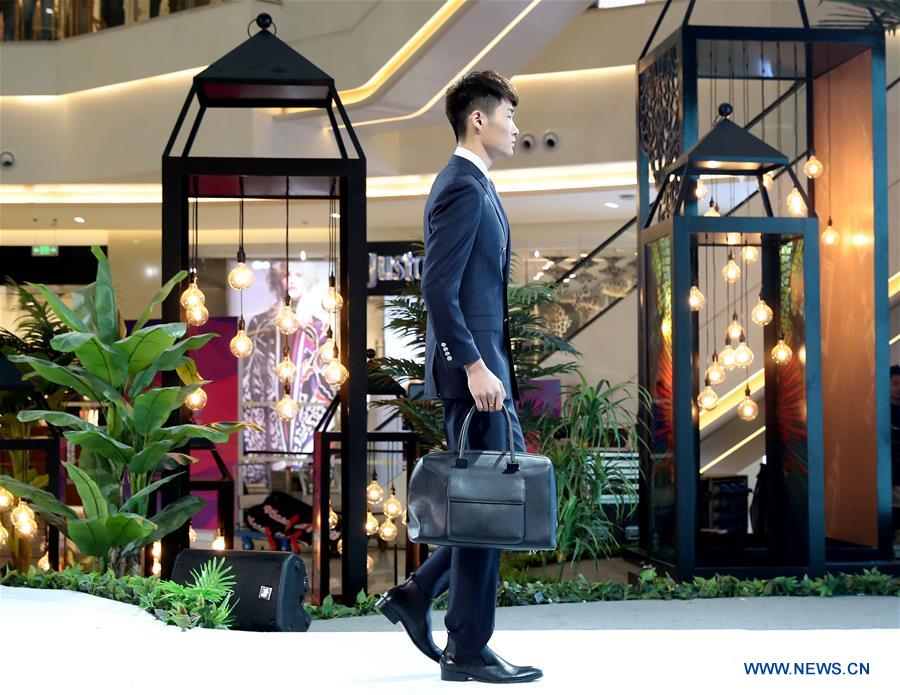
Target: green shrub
(203,602)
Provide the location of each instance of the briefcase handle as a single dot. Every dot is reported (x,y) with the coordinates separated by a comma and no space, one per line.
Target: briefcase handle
(462,462)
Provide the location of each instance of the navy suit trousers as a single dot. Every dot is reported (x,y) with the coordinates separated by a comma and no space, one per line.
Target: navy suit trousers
(472,574)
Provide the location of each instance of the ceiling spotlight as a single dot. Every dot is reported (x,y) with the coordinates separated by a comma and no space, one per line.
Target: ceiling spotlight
(79,219)
(611,205)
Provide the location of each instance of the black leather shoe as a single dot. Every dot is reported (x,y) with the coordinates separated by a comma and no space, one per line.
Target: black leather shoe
(486,667)
(411,606)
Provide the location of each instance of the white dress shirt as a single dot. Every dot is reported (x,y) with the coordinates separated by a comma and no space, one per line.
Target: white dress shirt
(472,157)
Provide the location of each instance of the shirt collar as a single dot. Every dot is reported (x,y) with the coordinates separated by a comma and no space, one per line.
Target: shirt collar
(472,157)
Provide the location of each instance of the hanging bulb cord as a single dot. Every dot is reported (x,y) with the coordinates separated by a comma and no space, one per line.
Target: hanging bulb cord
(332,254)
(241,256)
(196,216)
(712,278)
(708,304)
(332,233)
(713,97)
(830,143)
(762,88)
(778,113)
(796,105)
(287,227)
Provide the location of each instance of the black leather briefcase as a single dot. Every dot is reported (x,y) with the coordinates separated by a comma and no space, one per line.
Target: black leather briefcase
(490,499)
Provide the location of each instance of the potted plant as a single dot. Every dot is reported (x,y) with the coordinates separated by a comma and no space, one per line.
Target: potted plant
(114,477)
(596,433)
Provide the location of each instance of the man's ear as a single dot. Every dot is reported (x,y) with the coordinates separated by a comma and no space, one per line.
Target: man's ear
(477,120)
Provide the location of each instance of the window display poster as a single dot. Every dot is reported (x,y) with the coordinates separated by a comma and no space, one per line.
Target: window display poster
(260,390)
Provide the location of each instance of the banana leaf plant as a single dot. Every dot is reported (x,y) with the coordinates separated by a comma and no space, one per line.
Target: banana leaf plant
(114,476)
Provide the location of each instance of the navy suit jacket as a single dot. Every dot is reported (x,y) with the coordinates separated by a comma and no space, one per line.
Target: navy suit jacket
(464,281)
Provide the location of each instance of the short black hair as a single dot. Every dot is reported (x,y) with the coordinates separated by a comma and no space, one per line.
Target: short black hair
(482,91)
(895,370)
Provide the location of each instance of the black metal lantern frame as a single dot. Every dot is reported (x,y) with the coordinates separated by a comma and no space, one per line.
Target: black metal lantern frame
(671,232)
(265,72)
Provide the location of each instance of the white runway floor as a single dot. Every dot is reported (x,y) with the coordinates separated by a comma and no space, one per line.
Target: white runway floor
(62,641)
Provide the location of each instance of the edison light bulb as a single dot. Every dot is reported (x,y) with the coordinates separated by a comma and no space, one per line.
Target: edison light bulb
(371,524)
(26,529)
(735,330)
(732,271)
(4,536)
(332,300)
(332,519)
(403,518)
(743,355)
(762,313)
(830,237)
(285,370)
(287,321)
(21,513)
(156,549)
(387,531)
(340,546)
(374,491)
(732,238)
(197,315)
(392,506)
(708,399)
(22,518)
(336,373)
(768,180)
(6,499)
(748,410)
(326,351)
(696,299)
(700,191)
(287,408)
(713,209)
(192,296)
(192,535)
(782,352)
(196,400)
(219,542)
(750,254)
(813,167)
(795,204)
(726,357)
(715,372)
(241,345)
(240,277)
(666,327)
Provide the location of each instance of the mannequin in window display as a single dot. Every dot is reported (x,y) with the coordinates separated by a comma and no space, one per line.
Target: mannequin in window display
(260,388)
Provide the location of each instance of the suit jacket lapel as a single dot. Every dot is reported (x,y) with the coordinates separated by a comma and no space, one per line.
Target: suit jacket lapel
(495,201)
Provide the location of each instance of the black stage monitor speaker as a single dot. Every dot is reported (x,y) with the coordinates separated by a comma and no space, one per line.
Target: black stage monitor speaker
(269,586)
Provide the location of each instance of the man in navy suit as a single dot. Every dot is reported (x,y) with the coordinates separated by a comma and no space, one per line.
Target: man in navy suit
(468,361)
